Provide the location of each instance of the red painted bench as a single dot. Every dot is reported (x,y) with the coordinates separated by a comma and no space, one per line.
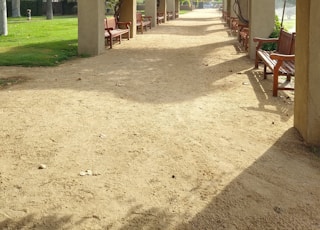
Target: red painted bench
(280,61)
(114,30)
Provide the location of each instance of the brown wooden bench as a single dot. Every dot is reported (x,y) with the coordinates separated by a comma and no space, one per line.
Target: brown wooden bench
(232,22)
(169,15)
(143,22)
(243,35)
(114,30)
(280,61)
(234,25)
(224,15)
(177,14)
(160,18)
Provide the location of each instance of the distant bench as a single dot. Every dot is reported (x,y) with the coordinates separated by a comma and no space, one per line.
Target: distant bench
(115,30)
(143,22)
(160,18)
(243,35)
(280,61)
(169,15)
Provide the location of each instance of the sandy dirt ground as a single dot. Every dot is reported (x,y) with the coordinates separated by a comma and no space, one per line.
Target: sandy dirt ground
(172,130)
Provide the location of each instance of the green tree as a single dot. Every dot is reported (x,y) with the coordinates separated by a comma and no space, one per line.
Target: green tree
(49,10)
(3,18)
(15,8)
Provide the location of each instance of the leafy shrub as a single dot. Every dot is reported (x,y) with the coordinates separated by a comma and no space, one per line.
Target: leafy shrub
(274,34)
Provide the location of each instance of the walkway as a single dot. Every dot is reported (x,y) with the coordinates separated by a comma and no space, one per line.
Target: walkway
(177,129)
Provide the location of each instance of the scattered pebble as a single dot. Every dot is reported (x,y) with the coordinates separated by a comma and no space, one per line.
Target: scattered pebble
(102,135)
(245,83)
(88,172)
(277,209)
(119,84)
(42,166)
(96,217)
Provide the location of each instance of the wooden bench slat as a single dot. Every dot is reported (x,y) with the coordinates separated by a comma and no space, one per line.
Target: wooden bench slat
(287,67)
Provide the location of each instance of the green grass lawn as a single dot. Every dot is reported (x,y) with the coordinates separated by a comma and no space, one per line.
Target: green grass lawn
(184,11)
(39,42)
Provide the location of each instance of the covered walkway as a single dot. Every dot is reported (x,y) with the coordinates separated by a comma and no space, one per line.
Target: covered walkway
(178,130)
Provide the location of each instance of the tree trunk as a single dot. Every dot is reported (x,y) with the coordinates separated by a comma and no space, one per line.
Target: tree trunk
(16,9)
(3,18)
(49,10)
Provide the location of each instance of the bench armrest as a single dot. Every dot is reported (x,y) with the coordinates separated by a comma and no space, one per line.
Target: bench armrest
(147,17)
(282,57)
(244,30)
(262,41)
(125,24)
(265,40)
(281,60)
(243,27)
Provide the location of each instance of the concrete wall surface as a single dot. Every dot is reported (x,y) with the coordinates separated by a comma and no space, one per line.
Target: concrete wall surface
(262,13)
(151,10)
(307,81)
(128,12)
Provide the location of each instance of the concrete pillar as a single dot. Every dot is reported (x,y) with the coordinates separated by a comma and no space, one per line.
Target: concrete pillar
(171,6)
(177,7)
(91,16)
(307,81)
(128,13)
(3,19)
(244,5)
(262,13)
(225,5)
(163,8)
(232,13)
(228,7)
(151,10)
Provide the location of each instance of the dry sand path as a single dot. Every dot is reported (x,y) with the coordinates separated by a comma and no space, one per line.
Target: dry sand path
(178,130)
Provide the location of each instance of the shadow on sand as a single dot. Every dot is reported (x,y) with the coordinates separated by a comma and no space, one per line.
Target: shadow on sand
(255,199)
